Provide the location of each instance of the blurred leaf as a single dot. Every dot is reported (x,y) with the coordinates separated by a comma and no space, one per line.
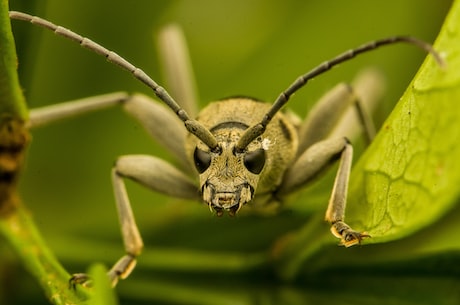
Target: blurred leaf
(336,289)
(103,294)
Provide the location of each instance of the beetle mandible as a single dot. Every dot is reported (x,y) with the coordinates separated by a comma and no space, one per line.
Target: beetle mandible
(244,151)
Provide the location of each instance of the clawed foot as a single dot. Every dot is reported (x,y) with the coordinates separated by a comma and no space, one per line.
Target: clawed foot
(80,279)
(122,268)
(348,236)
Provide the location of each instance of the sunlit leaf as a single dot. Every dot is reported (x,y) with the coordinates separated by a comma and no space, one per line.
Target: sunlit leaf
(409,176)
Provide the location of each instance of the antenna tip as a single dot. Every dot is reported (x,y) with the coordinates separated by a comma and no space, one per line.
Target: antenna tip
(440,59)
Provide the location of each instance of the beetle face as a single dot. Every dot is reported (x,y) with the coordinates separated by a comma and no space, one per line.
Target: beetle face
(228,179)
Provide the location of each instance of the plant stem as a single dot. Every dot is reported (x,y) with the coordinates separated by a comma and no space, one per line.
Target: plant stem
(16,224)
(12,100)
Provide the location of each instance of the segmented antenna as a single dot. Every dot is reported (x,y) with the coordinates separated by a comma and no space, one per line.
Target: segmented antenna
(193,126)
(259,128)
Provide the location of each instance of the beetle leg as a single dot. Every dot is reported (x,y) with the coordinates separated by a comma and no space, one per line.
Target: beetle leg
(157,175)
(160,123)
(314,161)
(335,213)
(333,116)
(49,114)
(143,108)
(178,70)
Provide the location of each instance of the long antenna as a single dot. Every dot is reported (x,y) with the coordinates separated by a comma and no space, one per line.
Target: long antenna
(193,126)
(259,128)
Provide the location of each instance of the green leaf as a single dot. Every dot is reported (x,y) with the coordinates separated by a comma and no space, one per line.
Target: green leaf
(406,180)
(409,176)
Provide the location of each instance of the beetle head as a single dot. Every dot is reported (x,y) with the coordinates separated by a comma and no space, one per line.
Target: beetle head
(228,177)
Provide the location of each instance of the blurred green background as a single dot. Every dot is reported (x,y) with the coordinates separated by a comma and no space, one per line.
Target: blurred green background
(253,48)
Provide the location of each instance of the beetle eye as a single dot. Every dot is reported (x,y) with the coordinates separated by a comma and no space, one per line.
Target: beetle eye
(202,160)
(255,160)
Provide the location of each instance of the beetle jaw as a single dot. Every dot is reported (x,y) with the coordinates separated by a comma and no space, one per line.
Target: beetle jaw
(229,201)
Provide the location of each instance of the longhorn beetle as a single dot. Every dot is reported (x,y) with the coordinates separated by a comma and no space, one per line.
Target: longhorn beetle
(243,151)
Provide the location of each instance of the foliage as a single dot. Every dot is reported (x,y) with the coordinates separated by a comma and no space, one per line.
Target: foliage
(403,191)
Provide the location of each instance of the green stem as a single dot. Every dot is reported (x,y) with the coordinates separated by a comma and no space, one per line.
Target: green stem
(21,233)
(12,100)
(16,224)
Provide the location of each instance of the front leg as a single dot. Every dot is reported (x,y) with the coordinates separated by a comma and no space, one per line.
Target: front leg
(335,213)
(314,161)
(154,173)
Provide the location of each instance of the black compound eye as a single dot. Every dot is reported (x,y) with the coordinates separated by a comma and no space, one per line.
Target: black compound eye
(202,160)
(255,160)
